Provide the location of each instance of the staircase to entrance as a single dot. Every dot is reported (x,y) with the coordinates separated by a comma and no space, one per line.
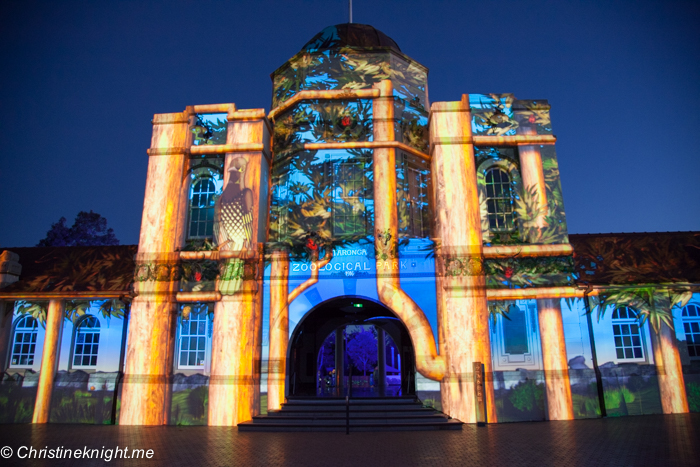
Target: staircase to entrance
(365,414)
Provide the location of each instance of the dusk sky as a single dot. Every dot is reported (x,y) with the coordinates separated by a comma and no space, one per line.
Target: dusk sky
(82,81)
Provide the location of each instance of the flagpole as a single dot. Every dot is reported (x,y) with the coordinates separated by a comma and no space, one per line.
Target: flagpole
(350,8)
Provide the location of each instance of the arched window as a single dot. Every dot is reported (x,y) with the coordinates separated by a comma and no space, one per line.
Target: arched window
(202,208)
(691,326)
(87,342)
(499,200)
(628,338)
(24,342)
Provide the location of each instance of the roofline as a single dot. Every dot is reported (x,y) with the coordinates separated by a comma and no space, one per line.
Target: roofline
(637,234)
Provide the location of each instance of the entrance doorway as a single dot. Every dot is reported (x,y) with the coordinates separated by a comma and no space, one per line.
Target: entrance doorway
(335,351)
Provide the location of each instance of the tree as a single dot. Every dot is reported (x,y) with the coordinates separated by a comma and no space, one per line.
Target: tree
(362,350)
(89,229)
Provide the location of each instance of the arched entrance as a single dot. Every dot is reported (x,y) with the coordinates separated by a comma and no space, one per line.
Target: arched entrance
(338,343)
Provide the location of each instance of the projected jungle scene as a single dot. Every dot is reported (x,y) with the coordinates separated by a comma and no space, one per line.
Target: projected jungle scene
(85,386)
(512,213)
(327,62)
(646,320)
(190,385)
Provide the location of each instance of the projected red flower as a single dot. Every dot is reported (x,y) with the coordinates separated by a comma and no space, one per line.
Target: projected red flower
(345,121)
(509,272)
(311,244)
(198,276)
(531,119)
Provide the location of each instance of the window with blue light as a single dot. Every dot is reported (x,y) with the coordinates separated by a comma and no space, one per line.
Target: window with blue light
(627,334)
(87,343)
(691,327)
(24,342)
(202,208)
(194,335)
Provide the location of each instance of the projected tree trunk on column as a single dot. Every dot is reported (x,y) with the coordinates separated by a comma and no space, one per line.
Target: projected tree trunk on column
(234,387)
(461,288)
(145,396)
(668,365)
(556,370)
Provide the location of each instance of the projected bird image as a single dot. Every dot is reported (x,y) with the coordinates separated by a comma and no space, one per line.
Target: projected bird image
(233,222)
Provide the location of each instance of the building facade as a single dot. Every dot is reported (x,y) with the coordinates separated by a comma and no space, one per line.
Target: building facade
(356,239)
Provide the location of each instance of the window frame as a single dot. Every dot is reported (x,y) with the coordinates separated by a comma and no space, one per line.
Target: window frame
(532,358)
(203,312)
(628,321)
(74,342)
(191,207)
(24,330)
(498,214)
(362,218)
(686,319)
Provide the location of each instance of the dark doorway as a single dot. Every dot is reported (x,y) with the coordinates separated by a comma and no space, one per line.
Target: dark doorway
(335,352)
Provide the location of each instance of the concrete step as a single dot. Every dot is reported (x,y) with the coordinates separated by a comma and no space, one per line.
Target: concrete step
(451,424)
(353,413)
(353,408)
(366,414)
(353,420)
(353,401)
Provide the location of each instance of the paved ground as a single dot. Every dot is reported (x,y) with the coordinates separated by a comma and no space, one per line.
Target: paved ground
(655,440)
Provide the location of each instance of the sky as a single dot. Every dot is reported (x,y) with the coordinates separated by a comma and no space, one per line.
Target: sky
(82,81)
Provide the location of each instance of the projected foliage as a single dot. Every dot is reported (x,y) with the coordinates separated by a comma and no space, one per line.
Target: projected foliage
(210,129)
(328,67)
(643,268)
(74,309)
(319,202)
(503,115)
(326,197)
(322,121)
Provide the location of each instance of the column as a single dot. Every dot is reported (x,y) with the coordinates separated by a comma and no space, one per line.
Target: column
(532,173)
(49,361)
(234,385)
(461,297)
(556,366)
(279,329)
(150,346)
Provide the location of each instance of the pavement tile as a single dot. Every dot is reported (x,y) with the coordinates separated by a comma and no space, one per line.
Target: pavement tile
(655,440)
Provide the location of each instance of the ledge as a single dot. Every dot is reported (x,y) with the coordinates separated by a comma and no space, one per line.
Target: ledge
(64,295)
(214,108)
(328,95)
(536,292)
(507,251)
(368,145)
(226,148)
(517,140)
(213,255)
(189,297)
